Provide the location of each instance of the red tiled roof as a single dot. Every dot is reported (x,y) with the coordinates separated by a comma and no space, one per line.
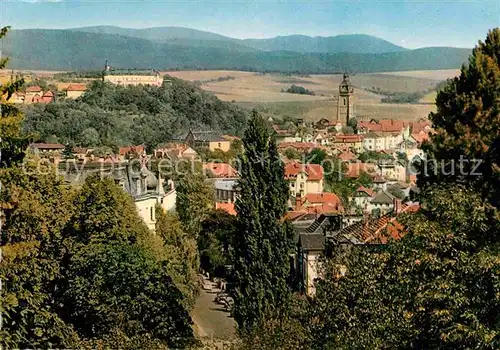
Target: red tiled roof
(355,169)
(348,138)
(34,89)
(379,231)
(420,137)
(394,126)
(297,145)
(76,87)
(294,214)
(228,207)
(317,203)
(329,201)
(47,145)
(314,171)
(346,156)
(378,179)
(48,94)
(412,179)
(132,149)
(368,191)
(220,169)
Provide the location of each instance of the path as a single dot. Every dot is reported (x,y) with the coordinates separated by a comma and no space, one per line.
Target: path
(210,319)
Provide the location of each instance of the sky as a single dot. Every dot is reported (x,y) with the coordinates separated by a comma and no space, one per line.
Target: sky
(407,23)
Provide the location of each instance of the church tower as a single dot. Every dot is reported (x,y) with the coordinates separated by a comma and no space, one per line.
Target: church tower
(345,106)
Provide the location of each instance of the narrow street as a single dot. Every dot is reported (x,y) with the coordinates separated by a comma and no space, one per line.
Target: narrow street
(211,320)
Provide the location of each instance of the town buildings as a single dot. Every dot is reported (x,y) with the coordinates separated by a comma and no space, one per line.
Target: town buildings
(75,90)
(133,77)
(33,94)
(207,140)
(304,178)
(175,151)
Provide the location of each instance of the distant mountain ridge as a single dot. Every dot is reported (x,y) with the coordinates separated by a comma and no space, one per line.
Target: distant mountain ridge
(168,48)
(351,43)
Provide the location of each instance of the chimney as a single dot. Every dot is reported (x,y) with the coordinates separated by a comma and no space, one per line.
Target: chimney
(298,201)
(397,205)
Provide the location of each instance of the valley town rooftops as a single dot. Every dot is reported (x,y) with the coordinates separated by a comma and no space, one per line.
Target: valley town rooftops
(314,172)
(47,146)
(76,87)
(34,89)
(220,169)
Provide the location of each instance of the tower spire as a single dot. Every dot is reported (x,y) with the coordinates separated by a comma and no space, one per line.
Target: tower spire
(345,106)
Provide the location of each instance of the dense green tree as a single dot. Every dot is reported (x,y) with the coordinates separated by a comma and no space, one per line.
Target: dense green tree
(467,125)
(194,201)
(215,242)
(36,206)
(353,123)
(436,288)
(33,211)
(262,242)
(104,212)
(12,143)
(77,264)
(89,138)
(179,251)
(133,115)
(291,153)
(68,151)
(125,288)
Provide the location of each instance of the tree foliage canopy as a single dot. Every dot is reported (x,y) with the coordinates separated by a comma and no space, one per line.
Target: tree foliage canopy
(467,124)
(108,115)
(77,271)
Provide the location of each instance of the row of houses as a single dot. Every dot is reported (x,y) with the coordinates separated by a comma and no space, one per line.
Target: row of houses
(35,94)
(375,135)
(316,238)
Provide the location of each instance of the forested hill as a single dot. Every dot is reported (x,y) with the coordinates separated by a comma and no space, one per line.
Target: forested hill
(110,115)
(76,50)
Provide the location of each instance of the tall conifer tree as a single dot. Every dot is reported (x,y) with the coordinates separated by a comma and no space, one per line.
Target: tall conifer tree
(262,241)
(467,124)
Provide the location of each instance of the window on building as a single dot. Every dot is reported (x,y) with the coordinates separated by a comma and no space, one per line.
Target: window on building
(152,213)
(344,101)
(292,184)
(220,145)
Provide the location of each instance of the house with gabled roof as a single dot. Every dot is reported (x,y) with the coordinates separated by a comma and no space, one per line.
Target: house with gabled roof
(220,170)
(353,142)
(310,249)
(75,90)
(362,197)
(319,203)
(328,230)
(382,203)
(207,139)
(175,151)
(304,178)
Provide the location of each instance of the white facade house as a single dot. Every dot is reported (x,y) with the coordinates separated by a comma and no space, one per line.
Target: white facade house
(377,141)
(310,250)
